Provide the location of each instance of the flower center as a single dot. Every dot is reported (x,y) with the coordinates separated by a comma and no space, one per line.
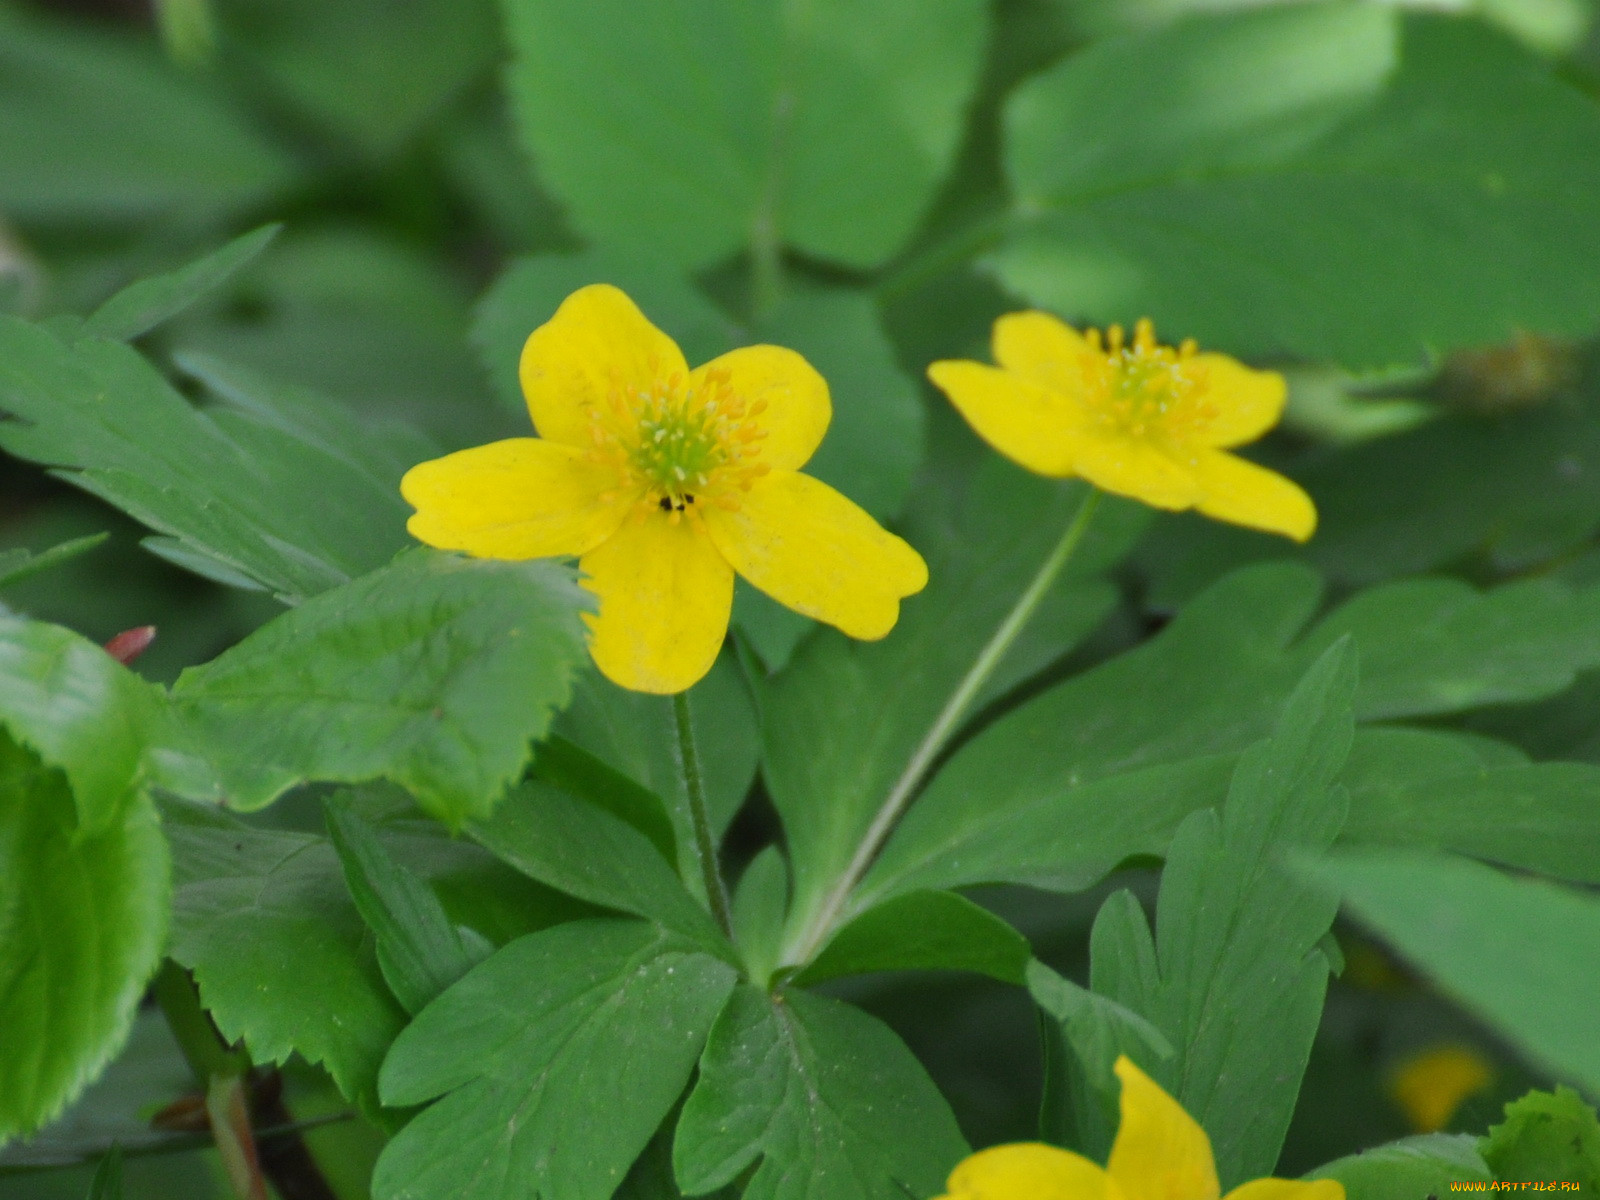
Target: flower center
(676,447)
(1144,390)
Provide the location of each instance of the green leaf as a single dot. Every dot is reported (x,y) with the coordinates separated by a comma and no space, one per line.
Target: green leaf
(83,917)
(1058,791)
(843,719)
(369,72)
(556,1059)
(279,950)
(587,852)
(234,484)
(575,771)
(690,127)
(923,931)
(1096,1027)
(81,711)
(17,565)
(636,734)
(1321,181)
(529,291)
(435,673)
(1546,1136)
(420,951)
(760,903)
(1518,953)
(1233,975)
(825,1096)
(1403,1170)
(107,1181)
(140,307)
(99,127)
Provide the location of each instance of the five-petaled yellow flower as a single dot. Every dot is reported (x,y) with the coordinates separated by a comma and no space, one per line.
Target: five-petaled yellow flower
(1140,420)
(665,481)
(1160,1154)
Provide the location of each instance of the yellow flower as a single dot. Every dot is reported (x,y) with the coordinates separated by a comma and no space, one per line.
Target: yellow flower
(665,481)
(1143,420)
(1160,1154)
(1432,1085)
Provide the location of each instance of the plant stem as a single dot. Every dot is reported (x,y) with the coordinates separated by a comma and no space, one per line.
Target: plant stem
(191,1027)
(705,844)
(766,265)
(905,787)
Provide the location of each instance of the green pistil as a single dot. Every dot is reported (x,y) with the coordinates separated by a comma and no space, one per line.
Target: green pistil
(677,453)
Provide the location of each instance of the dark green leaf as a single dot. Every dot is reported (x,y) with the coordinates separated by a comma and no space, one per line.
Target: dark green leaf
(99,127)
(229,484)
(83,916)
(1405,1170)
(760,903)
(575,771)
(923,931)
(140,307)
(435,673)
(828,1099)
(17,565)
(1546,1137)
(1233,976)
(1324,181)
(1097,1028)
(420,951)
(587,852)
(556,1059)
(107,1182)
(688,128)
(1518,953)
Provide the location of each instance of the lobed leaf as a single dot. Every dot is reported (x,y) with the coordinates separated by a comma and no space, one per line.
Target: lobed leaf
(1415,1166)
(1545,1137)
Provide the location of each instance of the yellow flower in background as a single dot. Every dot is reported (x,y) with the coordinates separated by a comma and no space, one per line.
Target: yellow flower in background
(665,481)
(1160,1153)
(1140,420)
(1430,1086)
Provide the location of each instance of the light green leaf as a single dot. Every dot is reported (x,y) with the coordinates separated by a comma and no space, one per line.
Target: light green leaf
(17,565)
(923,931)
(1322,181)
(99,127)
(636,734)
(83,917)
(556,1059)
(688,127)
(435,673)
(420,951)
(1233,976)
(140,307)
(230,484)
(843,719)
(370,72)
(1517,953)
(828,1099)
(1404,1170)
(587,852)
(81,711)
(1546,1137)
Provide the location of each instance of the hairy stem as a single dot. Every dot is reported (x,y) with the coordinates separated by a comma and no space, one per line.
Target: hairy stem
(821,927)
(705,843)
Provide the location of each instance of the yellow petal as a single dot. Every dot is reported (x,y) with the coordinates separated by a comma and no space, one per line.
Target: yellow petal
(521,498)
(1041,348)
(597,343)
(1136,467)
(1430,1086)
(1241,404)
(796,397)
(1029,1171)
(1160,1153)
(1031,425)
(1288,1189)
(665,597)
(1242,493)
(808,547)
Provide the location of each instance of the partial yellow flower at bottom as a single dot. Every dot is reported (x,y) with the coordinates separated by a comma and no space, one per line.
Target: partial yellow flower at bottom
(1431,1085)
(1140,420)
(665,481)
(1160,1153)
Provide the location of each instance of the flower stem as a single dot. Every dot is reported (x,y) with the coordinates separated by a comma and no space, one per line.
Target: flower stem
(905,787)
(694,785)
